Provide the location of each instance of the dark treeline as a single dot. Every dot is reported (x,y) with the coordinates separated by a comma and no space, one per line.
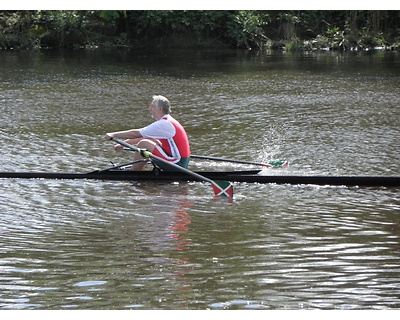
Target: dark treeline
(288,30)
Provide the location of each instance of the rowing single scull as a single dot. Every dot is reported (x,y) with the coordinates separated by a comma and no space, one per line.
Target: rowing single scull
(247,176)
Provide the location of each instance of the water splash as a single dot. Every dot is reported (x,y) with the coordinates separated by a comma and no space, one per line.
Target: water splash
(273,143)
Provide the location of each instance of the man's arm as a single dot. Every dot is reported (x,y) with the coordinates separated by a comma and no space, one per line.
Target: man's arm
(127,134)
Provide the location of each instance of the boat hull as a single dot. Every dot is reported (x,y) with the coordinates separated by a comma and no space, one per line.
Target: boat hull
(252,176)
(122,175)
(367,181)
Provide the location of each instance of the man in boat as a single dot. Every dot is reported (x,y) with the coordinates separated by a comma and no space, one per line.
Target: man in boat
(165,138)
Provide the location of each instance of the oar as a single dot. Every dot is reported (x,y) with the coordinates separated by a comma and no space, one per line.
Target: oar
(120,166)
(270,164)
(220,187)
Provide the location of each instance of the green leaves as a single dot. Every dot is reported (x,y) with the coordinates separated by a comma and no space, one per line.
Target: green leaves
(232,28)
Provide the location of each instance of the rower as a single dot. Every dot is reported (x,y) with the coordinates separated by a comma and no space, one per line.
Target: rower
(165,138)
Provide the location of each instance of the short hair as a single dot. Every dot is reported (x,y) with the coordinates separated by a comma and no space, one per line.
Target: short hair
(163,103)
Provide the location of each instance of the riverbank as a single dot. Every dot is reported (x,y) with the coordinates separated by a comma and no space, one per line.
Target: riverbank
(319,43)
(251,30)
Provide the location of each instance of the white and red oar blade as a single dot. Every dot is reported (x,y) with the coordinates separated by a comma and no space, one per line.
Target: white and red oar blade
(223,188)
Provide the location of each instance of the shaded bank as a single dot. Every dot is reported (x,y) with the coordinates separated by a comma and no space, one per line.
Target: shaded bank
(247,29)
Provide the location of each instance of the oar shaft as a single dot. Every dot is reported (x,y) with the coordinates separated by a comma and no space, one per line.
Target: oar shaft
(173,165)
(122,165)
(229,160)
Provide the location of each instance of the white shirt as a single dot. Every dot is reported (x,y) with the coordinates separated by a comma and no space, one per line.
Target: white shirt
(159,129)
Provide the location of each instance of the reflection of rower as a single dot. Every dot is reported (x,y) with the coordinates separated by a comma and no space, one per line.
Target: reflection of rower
(182,265)
(181,226)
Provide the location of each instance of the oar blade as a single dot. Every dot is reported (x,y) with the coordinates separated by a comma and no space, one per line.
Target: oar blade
(276,164)
(223,188)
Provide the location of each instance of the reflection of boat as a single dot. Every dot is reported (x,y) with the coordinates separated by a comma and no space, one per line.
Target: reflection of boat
(249,176)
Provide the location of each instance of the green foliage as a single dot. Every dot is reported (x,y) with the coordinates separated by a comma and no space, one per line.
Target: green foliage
(237,29)
(332,32)
(109,15)
(245,27)
(370,39)
(293,45)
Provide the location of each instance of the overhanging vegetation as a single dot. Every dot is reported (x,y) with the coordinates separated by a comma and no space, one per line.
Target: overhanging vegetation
(287,30)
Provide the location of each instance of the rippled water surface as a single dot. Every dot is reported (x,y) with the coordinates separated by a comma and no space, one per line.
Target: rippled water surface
(119,245)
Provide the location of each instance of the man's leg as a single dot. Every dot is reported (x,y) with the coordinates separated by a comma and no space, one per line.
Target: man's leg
(147,144)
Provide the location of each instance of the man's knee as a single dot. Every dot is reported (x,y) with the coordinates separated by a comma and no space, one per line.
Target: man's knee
(146,144)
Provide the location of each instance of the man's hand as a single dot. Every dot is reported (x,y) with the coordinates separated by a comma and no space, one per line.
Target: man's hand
(118,147)
(108,136)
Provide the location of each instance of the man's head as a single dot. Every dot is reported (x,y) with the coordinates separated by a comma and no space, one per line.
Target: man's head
(162,103)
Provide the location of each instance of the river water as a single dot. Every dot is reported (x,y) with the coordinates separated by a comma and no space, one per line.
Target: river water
(120,245)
